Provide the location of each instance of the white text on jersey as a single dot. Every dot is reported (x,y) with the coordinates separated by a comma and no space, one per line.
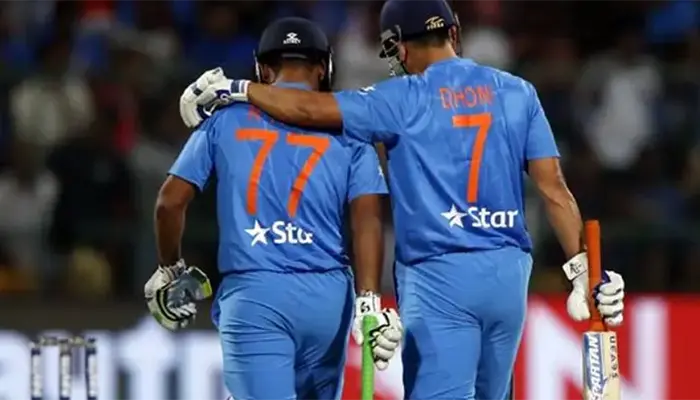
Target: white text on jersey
(286,232)
(484,218)
(282,232)
(481,217)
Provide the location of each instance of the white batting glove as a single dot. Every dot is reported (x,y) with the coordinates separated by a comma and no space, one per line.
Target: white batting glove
(211,90)
(609,294)
(386,335)
(171,293)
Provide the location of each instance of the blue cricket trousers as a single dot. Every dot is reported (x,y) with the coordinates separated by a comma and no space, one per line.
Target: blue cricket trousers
(284,336)
(463,315)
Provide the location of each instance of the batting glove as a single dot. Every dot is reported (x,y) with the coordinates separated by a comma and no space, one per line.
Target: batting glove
(609,294)
(210,91)
(385,337)
(171,293)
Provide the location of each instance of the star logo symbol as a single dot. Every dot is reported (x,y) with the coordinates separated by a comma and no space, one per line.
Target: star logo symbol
(258,233)
(454,217)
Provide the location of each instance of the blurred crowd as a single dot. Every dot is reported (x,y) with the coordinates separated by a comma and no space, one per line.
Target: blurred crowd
(89,125)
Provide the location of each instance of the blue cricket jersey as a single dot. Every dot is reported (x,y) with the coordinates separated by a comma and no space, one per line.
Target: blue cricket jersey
(281,190)
(458,139)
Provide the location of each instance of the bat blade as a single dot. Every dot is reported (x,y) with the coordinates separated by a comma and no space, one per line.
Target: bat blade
(601,367)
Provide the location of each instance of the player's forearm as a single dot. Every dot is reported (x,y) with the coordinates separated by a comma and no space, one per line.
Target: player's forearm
(169,228)
(369,256)
(561,207)
(565,218)
(173,198)
(295,106)
(368,243)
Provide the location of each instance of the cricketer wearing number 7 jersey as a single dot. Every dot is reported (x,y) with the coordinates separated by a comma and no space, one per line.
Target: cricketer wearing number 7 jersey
(460,137)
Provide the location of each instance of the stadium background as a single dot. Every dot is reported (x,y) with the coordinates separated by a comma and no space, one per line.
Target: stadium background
(89,125)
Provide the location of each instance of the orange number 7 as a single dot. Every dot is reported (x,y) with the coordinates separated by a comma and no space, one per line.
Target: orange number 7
(481,121)
(269,139)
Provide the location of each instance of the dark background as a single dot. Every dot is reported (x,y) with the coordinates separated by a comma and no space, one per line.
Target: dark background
(89,126)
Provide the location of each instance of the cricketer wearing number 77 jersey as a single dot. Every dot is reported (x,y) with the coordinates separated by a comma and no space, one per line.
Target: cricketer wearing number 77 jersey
(284,307)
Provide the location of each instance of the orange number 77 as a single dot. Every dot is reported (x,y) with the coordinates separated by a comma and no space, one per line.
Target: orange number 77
(269,139)
(481,121)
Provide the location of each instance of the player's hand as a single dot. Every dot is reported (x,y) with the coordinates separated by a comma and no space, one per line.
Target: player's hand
(211,90)
(609,297)
(171,293)
(609,294)
(386,335)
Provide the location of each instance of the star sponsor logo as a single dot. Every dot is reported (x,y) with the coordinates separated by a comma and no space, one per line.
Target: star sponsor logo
(454,217)
(480,217)
(280,232)
(258,234)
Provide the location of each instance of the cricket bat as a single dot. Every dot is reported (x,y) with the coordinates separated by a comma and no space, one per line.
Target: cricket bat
(601,367)
(367,373)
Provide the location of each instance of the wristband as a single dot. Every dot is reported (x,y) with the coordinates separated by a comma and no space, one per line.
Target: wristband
(367,302)
(239,90)
(576,266)
(174,270)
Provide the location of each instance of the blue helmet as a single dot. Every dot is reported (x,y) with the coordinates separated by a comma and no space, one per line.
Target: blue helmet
(403,20)
(295,38)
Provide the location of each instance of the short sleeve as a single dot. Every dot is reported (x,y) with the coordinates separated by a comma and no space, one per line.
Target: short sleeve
(366,176)
(375,113)
(196,160)
(540,139)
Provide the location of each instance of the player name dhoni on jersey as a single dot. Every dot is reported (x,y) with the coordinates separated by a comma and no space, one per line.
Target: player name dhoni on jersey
(466,97)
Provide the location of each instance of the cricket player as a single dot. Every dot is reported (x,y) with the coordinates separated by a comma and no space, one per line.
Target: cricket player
(284,309)
(460,137)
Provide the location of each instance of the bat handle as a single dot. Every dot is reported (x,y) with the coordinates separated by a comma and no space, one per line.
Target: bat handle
(367,392)
(592,235)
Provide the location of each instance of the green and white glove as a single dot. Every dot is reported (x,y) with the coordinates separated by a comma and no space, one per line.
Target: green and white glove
(386,336)
(172,291)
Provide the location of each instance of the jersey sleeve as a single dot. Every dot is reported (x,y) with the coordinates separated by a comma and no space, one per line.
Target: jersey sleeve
(366,176)
(196,160)
(375,113)
(540,139)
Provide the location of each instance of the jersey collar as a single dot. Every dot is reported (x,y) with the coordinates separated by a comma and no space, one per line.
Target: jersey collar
(451,60)
(293,85)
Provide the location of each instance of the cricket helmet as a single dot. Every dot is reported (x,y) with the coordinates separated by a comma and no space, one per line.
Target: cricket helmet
(295,38)
(403,20)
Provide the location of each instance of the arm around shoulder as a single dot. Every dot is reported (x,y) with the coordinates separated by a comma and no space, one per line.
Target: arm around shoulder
(297,107)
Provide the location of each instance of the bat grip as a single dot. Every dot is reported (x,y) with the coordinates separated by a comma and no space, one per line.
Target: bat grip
(367,392)
(592,235)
